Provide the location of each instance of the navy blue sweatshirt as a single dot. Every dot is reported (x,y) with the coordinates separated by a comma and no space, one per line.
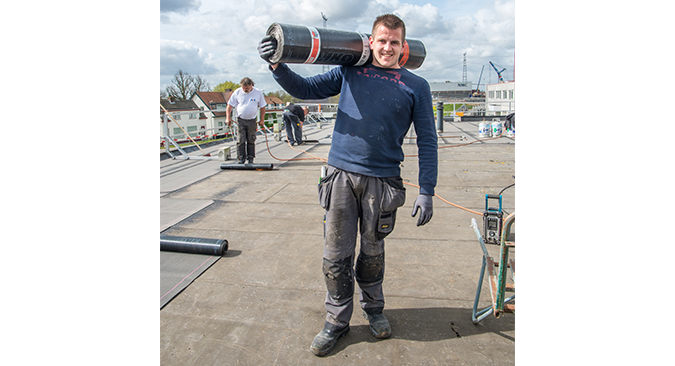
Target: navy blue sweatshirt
(376,109)
(297,110)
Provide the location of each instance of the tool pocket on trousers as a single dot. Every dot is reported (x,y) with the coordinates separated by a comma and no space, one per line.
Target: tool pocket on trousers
(393,197)
(393,194)
(385,224)
(325,188)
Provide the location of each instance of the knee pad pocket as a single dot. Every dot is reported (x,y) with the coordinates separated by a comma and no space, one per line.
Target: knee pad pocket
(338,277)
(370,269)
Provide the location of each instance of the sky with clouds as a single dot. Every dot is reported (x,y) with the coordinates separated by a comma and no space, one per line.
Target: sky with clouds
(218,39)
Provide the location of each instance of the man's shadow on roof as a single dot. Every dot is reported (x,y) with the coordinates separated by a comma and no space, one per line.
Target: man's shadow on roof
(430,325)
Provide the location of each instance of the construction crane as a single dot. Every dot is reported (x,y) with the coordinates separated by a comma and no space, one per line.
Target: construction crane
(477,92)
(499,73)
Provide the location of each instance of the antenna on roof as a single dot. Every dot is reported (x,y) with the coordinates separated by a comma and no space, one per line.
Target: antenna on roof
(464,71)
(325,20)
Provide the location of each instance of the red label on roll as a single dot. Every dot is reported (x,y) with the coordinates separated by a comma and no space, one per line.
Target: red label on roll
(404,54)
(316,46)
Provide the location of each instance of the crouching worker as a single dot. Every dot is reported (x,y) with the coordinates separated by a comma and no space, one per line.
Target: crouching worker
(363,187)
(294,117)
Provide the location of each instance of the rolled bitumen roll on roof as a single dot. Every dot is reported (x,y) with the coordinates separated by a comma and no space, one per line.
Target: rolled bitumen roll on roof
(191,245)
(297,44)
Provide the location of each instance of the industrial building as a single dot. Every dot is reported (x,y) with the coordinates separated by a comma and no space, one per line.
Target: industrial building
(451,90)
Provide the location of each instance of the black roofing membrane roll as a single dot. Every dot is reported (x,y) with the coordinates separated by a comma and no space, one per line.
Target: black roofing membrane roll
(298,44)
(184,244)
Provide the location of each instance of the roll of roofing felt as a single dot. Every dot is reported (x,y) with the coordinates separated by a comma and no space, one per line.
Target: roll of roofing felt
(298,44)
(190,245)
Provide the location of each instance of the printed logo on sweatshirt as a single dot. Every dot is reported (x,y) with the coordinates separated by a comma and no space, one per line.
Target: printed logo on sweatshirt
(372,73)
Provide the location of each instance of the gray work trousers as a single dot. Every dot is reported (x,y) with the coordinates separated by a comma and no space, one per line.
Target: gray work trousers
(292,123)
(246,141)
(367,205)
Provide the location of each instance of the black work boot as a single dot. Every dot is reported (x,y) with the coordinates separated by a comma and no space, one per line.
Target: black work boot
(379,325)
(326,339)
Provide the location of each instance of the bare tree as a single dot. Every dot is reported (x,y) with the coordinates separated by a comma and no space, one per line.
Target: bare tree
(184,85)
(199,84)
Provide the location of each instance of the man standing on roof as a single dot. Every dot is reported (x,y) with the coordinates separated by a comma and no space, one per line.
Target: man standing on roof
(247,100)
(294,116)
(363,187)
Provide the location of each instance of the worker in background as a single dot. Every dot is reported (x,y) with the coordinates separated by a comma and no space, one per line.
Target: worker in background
(294,116)
(363,187)
(246,100)
(510,123)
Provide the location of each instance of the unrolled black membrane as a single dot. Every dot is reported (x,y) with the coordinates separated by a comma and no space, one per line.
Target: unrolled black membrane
(298,44)
(191,245)
(247,166)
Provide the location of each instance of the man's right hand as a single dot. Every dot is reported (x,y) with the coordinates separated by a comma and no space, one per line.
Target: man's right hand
(267,47)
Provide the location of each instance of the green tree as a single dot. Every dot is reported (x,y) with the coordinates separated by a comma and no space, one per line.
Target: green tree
(226,85)
(281,94)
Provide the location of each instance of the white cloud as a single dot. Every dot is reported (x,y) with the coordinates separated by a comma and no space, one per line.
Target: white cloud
(181,55)
(421,21)
(220,39)
(178,6)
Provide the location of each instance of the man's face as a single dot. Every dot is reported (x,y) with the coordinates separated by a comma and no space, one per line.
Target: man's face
(386,45)
(247,88)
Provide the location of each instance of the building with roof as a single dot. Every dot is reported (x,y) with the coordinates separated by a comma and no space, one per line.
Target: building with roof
(215,104)
(500,99)
(451,90)
(194,124)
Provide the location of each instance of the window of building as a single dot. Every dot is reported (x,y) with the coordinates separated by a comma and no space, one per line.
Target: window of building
(176,116)
(193,115)
(191,130)
(491,94)
(510,94)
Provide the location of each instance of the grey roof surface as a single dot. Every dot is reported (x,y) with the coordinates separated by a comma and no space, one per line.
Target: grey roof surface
(263,302)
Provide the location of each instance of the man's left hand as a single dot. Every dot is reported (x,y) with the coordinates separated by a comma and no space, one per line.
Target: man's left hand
(425,204)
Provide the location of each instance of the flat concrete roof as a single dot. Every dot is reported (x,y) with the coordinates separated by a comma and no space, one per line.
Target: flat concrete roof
(263,302)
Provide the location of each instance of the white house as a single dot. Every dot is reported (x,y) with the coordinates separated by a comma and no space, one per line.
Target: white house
(193,123)
(215,104)
(500,98)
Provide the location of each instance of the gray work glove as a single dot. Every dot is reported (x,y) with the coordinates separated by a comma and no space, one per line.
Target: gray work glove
(266,47)
(425,203)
